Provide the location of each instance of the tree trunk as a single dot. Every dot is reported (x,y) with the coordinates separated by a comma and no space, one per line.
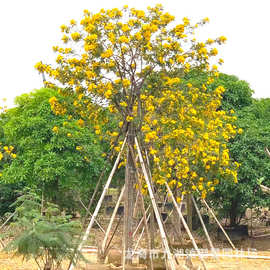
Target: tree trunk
(152,228)
(189,212)
(130,181)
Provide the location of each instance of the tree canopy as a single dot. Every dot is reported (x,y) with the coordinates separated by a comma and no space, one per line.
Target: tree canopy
(247,148)
(52,152)
(133,61)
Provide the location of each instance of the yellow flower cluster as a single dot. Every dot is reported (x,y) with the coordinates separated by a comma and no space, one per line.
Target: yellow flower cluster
(7,151)
(3,108)
(131,62)
(188,144)
(56,106)
(55,129)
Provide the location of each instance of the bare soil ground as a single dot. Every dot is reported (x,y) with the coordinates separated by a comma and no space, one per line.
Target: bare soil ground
(7,262)
(260,246)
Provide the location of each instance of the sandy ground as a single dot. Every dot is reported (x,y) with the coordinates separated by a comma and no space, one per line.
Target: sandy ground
(8,262)
(260,245)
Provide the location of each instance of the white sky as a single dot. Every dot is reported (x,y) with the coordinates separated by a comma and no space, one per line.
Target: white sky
(29,29)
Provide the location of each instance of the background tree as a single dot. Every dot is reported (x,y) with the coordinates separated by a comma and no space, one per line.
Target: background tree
(61,157)
(246,148)
(7,153)
(249,150)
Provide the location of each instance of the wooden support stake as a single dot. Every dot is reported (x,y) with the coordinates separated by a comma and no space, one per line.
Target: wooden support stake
(115,229)
(189,212)
(93,196)
(161,229)
(112,220)
(141,221)
(87,232)
(204,228)
(220,226)
(90,214)
(97,186)
(145,219)
(186,226)
(141,234)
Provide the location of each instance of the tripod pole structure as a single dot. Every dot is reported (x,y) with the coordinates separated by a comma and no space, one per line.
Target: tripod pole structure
(87,232)
(185,225)
(111,220)
(220,226)
(204,228)
(151,194)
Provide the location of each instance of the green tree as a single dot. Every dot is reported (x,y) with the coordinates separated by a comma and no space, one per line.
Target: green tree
(247,149)
(8,195)
(238,94)
(61,157)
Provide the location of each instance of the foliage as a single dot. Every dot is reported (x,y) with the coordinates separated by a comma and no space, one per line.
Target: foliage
(248,150)
(237,95)
(53,153)
(8,195)
(7,154)
(6,151)
(133,62)
(42,233)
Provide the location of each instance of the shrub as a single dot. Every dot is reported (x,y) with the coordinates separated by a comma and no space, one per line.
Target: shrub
(42,233)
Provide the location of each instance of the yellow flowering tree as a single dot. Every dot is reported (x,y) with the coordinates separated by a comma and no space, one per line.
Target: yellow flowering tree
(133,61)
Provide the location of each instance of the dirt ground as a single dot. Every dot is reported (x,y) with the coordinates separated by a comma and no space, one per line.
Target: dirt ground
(258,246)
(262,246)
(7,262)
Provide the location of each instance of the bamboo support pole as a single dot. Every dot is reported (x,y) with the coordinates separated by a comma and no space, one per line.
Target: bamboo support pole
(93,195)
(90,214)
(124,256)
(97,187)
(145,219)
(87,232)
(115,229)
(220,226)
(141,221)
(161,229)
(189,211)
(112,220)
(141,235)
(139,239)
(185,225)
(204,228)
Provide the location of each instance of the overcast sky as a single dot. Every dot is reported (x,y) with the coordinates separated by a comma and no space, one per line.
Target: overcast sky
(30,28)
